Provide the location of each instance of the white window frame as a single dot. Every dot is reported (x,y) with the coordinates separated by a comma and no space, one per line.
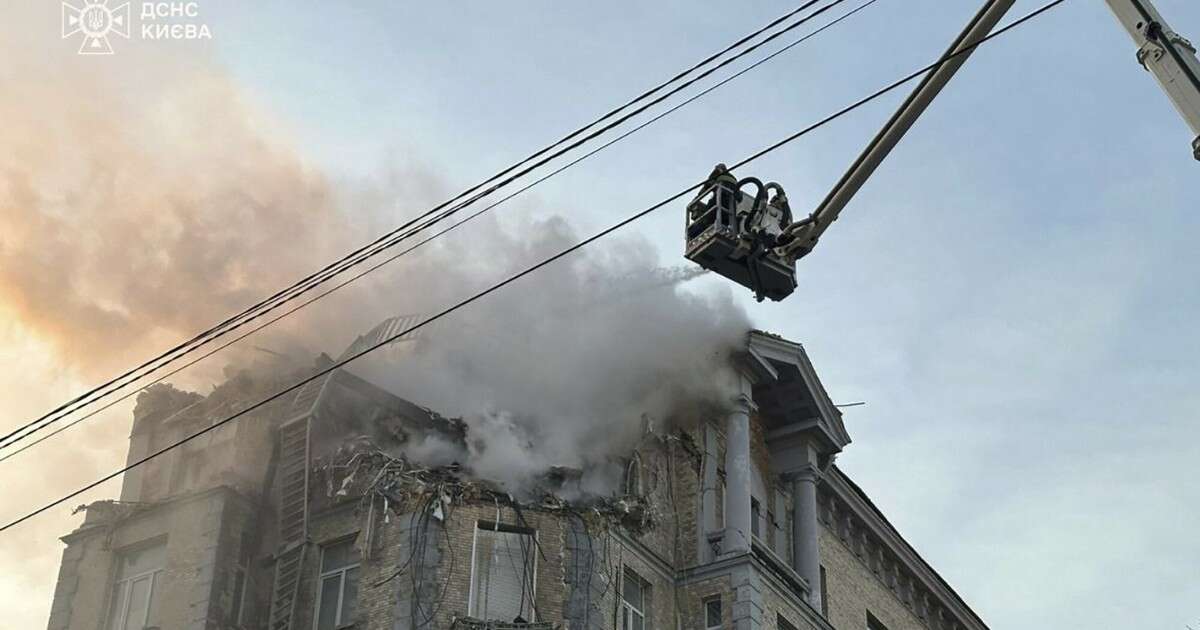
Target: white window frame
(628,610)
(500,527)
(344,571)
(720,612)
(122,619)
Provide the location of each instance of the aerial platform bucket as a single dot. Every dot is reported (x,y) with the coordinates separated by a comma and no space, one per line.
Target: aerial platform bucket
(714,242)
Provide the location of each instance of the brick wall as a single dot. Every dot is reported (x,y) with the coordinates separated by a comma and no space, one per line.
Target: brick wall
(578,570)
(692,596)
(853,590)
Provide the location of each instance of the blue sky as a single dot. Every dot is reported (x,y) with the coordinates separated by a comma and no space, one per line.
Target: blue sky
(1013,294)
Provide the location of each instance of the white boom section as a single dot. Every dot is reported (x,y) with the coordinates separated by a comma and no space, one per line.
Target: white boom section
(1167,55)
(806,232)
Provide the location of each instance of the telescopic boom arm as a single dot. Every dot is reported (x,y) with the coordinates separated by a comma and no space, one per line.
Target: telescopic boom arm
(1167,55)
(753,241)
(805,232)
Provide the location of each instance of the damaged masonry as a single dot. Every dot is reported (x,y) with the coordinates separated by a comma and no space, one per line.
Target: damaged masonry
(367,514)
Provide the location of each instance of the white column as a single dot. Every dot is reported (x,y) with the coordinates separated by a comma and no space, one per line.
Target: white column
(736,538)
(806,556)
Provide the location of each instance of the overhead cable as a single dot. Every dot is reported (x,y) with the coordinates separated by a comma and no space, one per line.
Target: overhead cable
(387,241)
(531,269)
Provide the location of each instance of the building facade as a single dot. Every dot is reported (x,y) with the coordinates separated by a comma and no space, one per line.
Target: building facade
(309,515)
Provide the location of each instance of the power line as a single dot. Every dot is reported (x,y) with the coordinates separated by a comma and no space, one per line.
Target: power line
(460,196)
(438,234)
(391,239)
(162,362)
(534,268)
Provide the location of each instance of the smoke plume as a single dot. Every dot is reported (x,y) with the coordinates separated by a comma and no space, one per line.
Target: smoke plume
(146,212)
(568,366)
(144,197)
(131,220)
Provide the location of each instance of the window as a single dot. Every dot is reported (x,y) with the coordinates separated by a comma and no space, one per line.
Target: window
(873,623)
(337,588)
(783,624)
(503,573)
(755,517)
(633,476)
(135,594)
(712,613)
(721,498)
(635,597)
(824,595)
(239,595)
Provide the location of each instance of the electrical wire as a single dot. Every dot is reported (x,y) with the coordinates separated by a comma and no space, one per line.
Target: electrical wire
(533,268)
(389,240)
(394,237)
(419,228)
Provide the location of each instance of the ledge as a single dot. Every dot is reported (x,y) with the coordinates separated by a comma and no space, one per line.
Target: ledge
(860,506)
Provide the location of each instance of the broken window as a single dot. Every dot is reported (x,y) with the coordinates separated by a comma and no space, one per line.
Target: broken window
(712,613)
(503,573)
(135,594)
(337,588)
(635,596)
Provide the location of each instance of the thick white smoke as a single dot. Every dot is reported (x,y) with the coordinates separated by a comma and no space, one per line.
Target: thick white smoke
(145,197)
(564,367)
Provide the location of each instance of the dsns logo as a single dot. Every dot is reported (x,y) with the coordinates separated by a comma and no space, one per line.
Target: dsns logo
(96,20)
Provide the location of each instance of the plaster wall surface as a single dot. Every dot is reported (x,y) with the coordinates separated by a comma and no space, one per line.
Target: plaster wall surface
(194,589)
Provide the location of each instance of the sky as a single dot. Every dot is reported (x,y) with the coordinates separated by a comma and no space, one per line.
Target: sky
(1012,294)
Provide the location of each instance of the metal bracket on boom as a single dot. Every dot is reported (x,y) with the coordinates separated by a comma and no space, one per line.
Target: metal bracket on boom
(1167,55)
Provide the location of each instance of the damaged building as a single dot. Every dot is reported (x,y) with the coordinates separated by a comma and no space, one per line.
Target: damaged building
(309,513)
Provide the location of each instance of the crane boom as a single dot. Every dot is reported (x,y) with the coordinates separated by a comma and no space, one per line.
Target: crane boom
(1167,55)
(806,233)
(752,239)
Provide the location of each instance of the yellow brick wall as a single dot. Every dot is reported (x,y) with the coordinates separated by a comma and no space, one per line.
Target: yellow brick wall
(853,590)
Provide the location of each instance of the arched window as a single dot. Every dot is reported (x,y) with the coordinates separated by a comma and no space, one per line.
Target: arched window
(633,476)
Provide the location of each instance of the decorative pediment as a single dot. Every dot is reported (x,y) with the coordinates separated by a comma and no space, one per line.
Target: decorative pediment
(793,405)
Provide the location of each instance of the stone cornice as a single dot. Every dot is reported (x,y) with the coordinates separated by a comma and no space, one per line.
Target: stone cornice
(727,564)
(149,509)
(873,540)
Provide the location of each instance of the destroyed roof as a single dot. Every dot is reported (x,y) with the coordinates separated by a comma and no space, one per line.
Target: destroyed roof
(359,470)
(313,400)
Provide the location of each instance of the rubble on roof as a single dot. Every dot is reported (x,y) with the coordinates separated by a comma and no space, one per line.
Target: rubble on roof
(361,470)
